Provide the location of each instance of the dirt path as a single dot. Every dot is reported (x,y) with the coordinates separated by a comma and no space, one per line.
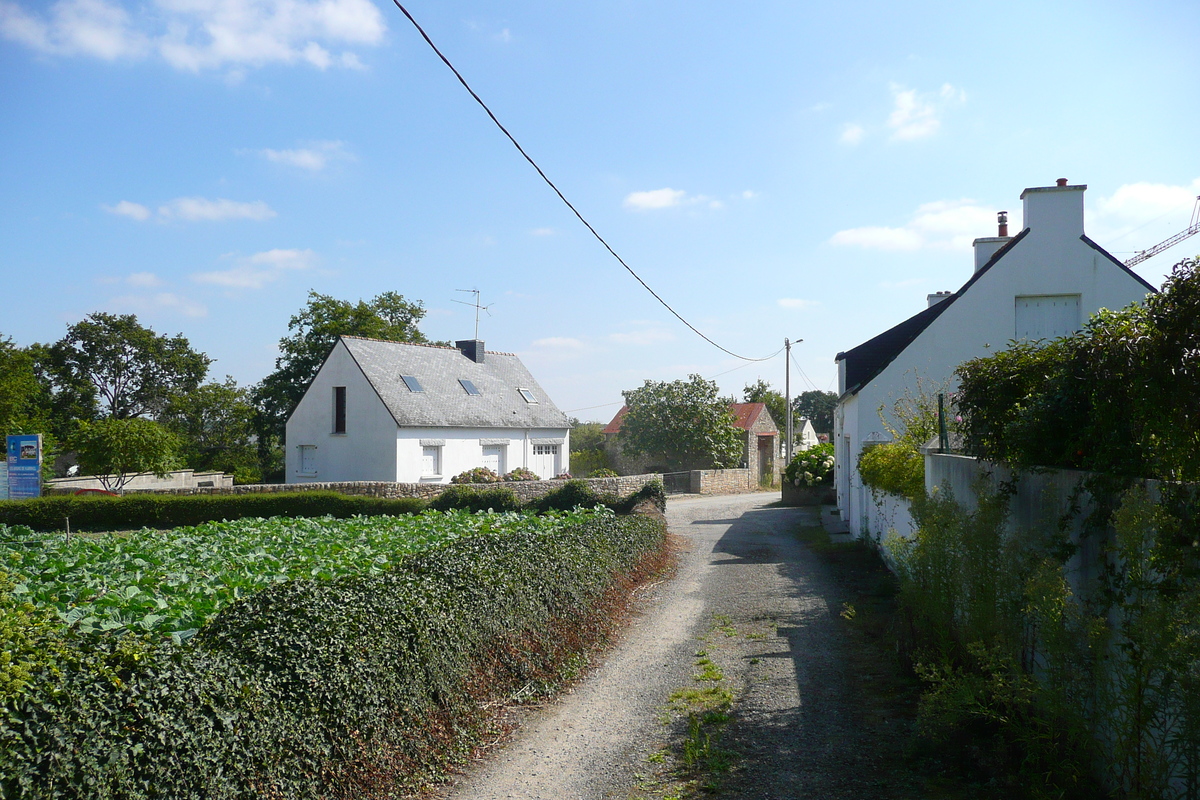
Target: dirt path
(760,605)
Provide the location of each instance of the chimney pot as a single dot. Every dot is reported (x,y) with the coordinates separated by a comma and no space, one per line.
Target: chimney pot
(1002,220)
(1062,181)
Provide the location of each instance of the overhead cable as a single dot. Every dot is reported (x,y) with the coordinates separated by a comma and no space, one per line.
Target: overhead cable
(561,196)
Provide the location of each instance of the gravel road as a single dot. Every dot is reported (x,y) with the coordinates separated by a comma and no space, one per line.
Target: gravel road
(759,605)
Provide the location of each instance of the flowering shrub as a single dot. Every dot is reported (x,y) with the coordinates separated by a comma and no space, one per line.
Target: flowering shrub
(521,474)
(562,476)
(476,475)
(603,472)
(813,467)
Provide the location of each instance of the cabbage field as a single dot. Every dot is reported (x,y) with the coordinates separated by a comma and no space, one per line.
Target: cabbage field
(170,582)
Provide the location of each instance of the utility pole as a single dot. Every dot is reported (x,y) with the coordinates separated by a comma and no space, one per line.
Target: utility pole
(787,388)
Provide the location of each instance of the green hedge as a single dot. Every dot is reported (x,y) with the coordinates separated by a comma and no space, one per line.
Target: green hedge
(358,687)
(171,511)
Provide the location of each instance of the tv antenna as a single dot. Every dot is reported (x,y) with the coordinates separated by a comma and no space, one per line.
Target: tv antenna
(476,306)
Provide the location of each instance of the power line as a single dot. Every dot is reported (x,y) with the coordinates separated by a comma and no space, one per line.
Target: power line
(561,196)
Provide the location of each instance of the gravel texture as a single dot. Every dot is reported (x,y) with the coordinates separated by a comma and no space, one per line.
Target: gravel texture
(763,608)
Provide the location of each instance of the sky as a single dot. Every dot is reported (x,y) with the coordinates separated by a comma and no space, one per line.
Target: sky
(772,170)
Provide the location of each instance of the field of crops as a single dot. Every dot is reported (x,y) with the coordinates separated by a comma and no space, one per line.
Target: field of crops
(170,582)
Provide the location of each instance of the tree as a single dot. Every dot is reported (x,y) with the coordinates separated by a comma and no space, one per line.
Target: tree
(112,364)
(818,406)
(761,392)
(116,450)
(23,398)
(314,330)
(215,424)
(587,448)
(684,422)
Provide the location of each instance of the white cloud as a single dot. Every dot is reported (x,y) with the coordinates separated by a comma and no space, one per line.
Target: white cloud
(940,225)
(749,194)
(796,302)
(667,198)
(202,34)
(315,157)
(200,209)
(852,134)
(143,280)
(542,232)
(917,115)
(259,269)
(558,343)
(656,198)
(160,303)
(74,27)
(127,209)
(1143,202)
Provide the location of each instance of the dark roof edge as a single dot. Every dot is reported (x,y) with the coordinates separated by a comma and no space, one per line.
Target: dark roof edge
(1084,238)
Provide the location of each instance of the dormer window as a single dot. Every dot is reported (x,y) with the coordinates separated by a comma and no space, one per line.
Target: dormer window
(468,387)
(412,383)
(527,395)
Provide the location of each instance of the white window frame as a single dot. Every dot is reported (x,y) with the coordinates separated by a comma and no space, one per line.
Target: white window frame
(436,451)
(307,452)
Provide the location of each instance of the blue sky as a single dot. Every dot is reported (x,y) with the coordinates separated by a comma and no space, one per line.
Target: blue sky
(772,169)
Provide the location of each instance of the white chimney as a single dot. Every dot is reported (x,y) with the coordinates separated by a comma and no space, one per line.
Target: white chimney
(936,297)
(986,247)
(1057,208)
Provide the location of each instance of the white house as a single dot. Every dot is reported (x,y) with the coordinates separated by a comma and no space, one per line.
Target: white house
(392,411)
(1040,284)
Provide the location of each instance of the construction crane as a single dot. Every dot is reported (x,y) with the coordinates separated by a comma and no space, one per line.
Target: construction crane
(1191,229)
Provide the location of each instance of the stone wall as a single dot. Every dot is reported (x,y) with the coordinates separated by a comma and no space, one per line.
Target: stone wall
(146,481)
(525,490)
(723,481)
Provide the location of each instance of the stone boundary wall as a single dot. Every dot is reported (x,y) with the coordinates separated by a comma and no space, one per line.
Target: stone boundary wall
(723,481)
(622,486)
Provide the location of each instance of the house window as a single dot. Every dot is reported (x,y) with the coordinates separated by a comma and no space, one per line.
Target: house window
(308,459)
(339,409)
(412,383)
(527,395)
(431,462)
(1046,316)
(468,387)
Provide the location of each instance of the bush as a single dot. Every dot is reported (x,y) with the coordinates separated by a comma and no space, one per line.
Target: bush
(812,467)
(172,511)
(499,498)
(894,468)
(572,494)
(521,474)
(604,472)
(358,687)
(476,475)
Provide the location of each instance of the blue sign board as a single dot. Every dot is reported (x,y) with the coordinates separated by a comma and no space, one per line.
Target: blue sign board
(24,466)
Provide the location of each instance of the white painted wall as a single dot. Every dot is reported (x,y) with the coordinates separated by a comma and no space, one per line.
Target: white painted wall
(365,451)
(463,449)
(1050,260)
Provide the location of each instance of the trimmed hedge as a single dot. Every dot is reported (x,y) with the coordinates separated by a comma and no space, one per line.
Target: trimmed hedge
(172,511)
(357,687)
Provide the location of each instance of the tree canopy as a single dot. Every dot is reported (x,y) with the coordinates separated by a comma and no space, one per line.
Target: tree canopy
(761,392)
(684,422)
(818,406)
(111,366)
(23,398)
(116,450)
(215,427)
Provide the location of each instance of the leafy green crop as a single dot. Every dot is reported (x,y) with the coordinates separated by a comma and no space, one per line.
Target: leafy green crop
(170,582)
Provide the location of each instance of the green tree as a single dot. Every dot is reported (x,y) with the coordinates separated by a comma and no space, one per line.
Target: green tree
(23,398)
(112,366)
(761,392)
(818,406)
(215,425)
(587,448)
(314,331)
(116,450)
(684,422)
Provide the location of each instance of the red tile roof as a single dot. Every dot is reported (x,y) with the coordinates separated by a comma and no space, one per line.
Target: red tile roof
(745,415)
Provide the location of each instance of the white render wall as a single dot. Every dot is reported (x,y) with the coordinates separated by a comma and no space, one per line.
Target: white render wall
(365,452)
(462,449)
(1050,260)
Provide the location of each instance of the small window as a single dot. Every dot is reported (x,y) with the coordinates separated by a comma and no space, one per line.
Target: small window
(339,409)
(431,462)
(528,395)
(468,387)
(412,383)
(308,459)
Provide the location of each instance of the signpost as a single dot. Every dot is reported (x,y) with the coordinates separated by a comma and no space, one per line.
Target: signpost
(24,463)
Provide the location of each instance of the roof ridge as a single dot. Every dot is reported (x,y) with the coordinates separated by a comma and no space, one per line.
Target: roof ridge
(430,345)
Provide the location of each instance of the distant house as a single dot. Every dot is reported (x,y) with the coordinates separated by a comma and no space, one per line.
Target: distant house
(761,442)
(392,411)
(1042,283)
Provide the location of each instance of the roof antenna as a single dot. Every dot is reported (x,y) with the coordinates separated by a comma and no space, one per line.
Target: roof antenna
(476,306)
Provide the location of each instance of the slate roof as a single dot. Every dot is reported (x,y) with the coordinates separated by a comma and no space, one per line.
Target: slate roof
(445,403)
(744,416)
